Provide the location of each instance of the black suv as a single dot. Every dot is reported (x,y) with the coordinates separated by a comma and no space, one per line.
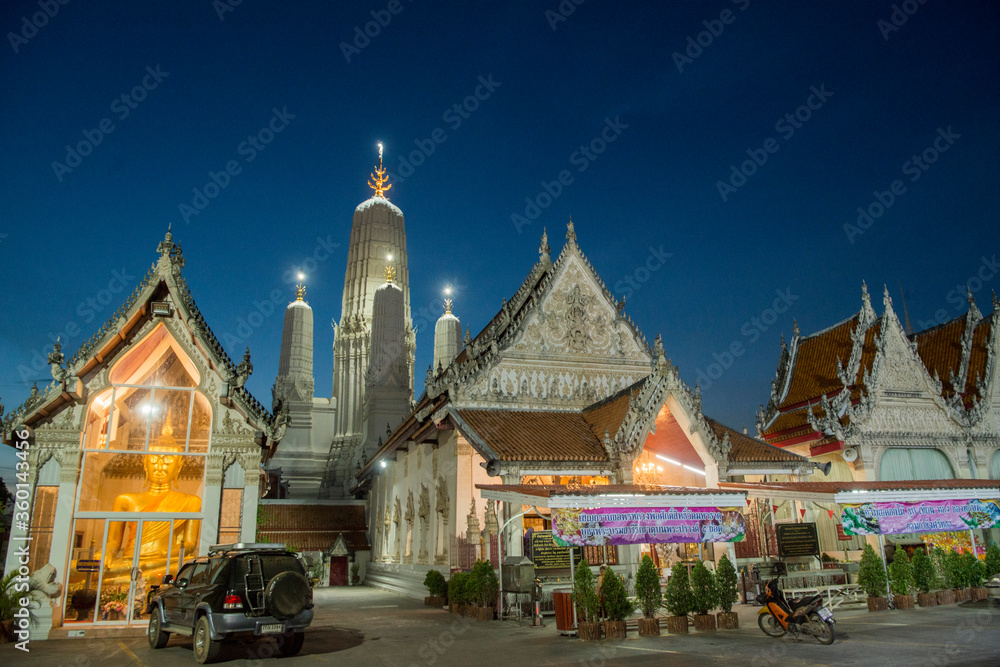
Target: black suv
(237,591)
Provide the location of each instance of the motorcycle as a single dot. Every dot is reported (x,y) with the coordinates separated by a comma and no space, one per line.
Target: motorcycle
(779,616)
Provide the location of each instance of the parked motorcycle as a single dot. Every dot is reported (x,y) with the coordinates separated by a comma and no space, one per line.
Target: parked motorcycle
(804,615)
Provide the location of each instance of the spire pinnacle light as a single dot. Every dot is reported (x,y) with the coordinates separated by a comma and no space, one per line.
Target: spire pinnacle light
(381,184)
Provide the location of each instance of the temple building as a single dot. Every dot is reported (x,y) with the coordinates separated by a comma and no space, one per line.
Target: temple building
(559,390)
(143,450)
(877,404)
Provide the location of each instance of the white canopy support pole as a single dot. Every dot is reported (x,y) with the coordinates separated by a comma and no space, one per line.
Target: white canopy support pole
(972,536)
(572,580)
(500,548)
(881,543)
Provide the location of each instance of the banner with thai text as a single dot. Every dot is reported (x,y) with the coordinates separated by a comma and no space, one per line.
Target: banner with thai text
(647,525)
(925,516)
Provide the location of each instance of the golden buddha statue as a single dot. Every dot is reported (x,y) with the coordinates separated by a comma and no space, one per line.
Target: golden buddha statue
(162,466)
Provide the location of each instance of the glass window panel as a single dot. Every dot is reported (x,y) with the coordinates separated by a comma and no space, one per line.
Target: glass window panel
(130,418)
(81,587)
(133,482)
(156,360)
(97,424)
(43,513)
(169,420)
(201,423)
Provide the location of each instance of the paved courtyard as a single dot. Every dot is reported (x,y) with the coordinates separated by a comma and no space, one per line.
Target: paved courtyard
(365,626)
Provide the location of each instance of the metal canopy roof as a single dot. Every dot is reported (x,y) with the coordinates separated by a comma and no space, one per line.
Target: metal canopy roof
(864,492)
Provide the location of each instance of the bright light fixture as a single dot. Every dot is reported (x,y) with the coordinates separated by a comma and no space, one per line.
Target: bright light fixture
(302,276)
(389,257)
(447,289)
(382,463)
(694,470)
(664,458)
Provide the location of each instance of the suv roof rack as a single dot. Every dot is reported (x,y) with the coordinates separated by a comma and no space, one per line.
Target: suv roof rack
(247,546)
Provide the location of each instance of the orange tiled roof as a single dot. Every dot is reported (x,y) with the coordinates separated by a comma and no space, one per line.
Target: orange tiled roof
(815,363)
(521,435)
(750,450)
(313,527)
(940,349)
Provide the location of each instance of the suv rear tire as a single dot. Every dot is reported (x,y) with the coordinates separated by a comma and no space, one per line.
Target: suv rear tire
(286,595)
(206,649)
(291,643)
(155,634)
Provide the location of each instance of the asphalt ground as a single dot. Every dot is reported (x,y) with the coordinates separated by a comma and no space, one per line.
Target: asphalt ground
(366,626)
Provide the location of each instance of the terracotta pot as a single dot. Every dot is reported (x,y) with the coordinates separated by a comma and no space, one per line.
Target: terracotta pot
(704,623)
(979,594)
(878,604)
(677,625)
(927,599)
(614,629)
(649,627)
(6,631)
(904,601)
(728,620)
(484,613)
(945,597)
(434,601)
(589,631)
(959,595)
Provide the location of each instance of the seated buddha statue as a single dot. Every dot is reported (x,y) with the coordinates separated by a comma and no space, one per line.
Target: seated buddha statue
(162,466)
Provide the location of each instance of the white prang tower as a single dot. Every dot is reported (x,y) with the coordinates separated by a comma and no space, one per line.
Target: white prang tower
(378,241)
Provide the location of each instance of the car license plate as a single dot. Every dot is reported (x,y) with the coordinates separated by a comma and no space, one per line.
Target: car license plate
(272,629)
(824,613)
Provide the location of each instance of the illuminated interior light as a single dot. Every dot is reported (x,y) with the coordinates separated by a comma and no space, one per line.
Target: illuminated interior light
(694,470)
(382,463)
(668,460)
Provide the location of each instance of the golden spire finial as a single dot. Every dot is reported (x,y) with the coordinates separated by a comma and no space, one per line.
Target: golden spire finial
(447,300)
(381,184)
(390,273)
(300,289)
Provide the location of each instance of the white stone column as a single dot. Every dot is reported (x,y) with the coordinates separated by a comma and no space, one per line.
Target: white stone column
(251,493)
(211,502)
(62,524)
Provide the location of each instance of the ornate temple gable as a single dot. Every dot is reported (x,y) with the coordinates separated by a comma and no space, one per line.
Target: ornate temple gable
(562,341)
(161,297)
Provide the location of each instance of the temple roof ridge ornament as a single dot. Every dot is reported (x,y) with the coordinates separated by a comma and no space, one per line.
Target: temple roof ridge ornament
(544,251)
(974,314)
(381,184)
(570,231)
(389,273)
(867,315)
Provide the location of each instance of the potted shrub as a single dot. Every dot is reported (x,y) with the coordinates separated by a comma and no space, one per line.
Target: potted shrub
(356,574)
(726,584)
(939,558)
(587,603)
(456,592)
(484,587)
(437,587)
(954,575)
(992,562)
(705,597)
(923,579)
(617,605)
(678,599)
(871,577)
(901,579)
(975,575)
(647,590)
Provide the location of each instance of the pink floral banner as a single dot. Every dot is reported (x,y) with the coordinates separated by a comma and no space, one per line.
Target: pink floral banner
(647,525)
(926,516)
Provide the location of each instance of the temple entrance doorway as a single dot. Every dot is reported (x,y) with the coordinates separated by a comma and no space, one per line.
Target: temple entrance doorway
(338,571)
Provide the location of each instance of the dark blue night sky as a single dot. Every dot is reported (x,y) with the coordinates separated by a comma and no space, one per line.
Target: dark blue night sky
(741,153)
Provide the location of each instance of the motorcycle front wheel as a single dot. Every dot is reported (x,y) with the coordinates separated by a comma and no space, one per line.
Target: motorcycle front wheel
(770,625)
(820,629)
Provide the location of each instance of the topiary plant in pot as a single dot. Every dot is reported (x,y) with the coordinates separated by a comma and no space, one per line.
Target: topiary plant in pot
(871,578)
(587,603)
(456,592)
(617,605)
(678,599)
(705,597)
(726,583)
(437,587)
(954,575)
(992,562)
(974,572)
(923,578)
(901,579)
(485,587)
(647,590)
